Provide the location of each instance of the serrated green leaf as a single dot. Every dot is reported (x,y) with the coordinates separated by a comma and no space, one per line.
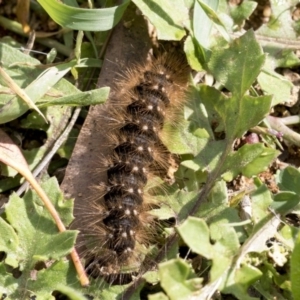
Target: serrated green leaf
(38,239)
(169,22)
(83,18)
(238,66)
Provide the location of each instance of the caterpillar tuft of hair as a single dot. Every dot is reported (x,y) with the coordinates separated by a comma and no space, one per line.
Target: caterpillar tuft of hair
(144,99)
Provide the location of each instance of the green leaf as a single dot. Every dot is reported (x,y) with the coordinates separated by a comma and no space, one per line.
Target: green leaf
(60,276)
(285,202)
(190,48)
(15,107)
(234,111)
(209,9)
(177,279)
(225,250)
(202,23)
(195,234)
(274,84)
(239,281)
(8,243)
(82,18)
(221,221)
(241,12)
(168,21)
(288,179)
(36,82)
(238,66)
(252,159)
(261,200)
(295,269)
(91,97)
(36,239)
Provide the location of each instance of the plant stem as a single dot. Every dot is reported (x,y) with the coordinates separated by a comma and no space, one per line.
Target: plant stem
(17,28)
(280,126)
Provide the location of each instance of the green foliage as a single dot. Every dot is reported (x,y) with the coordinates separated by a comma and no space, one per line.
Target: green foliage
(30,240)
(169,22)
(83,18)
(240,250)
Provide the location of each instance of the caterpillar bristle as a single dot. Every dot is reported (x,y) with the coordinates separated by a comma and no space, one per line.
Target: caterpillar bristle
(118,226)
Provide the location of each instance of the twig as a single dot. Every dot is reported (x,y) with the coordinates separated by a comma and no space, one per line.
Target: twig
(52,152)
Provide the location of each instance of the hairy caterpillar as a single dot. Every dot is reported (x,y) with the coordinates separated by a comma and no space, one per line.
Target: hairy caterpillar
(147,96)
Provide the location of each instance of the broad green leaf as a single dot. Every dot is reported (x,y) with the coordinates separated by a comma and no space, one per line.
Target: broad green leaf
(238,66)
(177,279)
(168,21)
(195,234)
(83,18)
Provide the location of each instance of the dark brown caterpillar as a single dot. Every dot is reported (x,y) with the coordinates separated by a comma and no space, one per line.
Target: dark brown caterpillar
(145,98)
